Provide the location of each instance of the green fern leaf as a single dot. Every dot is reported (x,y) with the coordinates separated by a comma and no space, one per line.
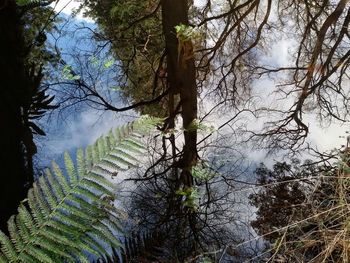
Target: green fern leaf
(15,237)
(68,214)
(38,214)
(61,178)
(81,165)
(2,259)
(7,247)
(40,202)
(70,169)
(47,192)
(53,185)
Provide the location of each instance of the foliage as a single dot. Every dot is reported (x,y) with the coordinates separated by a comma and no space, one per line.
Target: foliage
(191,197)
(201,126)
(68,74)
(186,33)
(26,2)
(138,45)
(68,214)
(24,100)
(304,213)
(280,196)
(38,19)
(202,172)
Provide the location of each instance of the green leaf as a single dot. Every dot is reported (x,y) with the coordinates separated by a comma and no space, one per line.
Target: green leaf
(67,208)
(109,63)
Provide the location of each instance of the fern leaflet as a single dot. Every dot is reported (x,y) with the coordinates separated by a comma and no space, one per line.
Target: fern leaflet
(67,214)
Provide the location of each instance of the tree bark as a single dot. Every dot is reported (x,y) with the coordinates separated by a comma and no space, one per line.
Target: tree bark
(182,80)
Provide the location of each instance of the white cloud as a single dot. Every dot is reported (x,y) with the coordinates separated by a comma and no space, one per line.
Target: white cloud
(76,132)
(87,127)
(68,7)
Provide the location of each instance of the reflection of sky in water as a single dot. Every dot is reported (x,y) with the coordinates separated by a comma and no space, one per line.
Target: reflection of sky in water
(81,126)
(69,6)
(78,41)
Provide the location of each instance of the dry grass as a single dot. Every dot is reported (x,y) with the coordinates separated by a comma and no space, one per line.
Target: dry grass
(324,235)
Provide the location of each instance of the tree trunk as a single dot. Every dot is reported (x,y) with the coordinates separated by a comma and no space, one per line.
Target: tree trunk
(182,80)
(13,166)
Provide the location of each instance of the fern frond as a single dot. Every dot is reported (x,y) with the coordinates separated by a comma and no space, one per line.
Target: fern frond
(69,212)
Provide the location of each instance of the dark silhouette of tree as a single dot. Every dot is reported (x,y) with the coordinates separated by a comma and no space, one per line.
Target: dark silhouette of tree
(22,101)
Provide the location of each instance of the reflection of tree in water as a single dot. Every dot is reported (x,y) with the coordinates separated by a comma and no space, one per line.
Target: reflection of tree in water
(195,223)
(186,216)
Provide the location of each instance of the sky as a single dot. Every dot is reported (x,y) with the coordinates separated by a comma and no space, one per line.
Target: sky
(67,7)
